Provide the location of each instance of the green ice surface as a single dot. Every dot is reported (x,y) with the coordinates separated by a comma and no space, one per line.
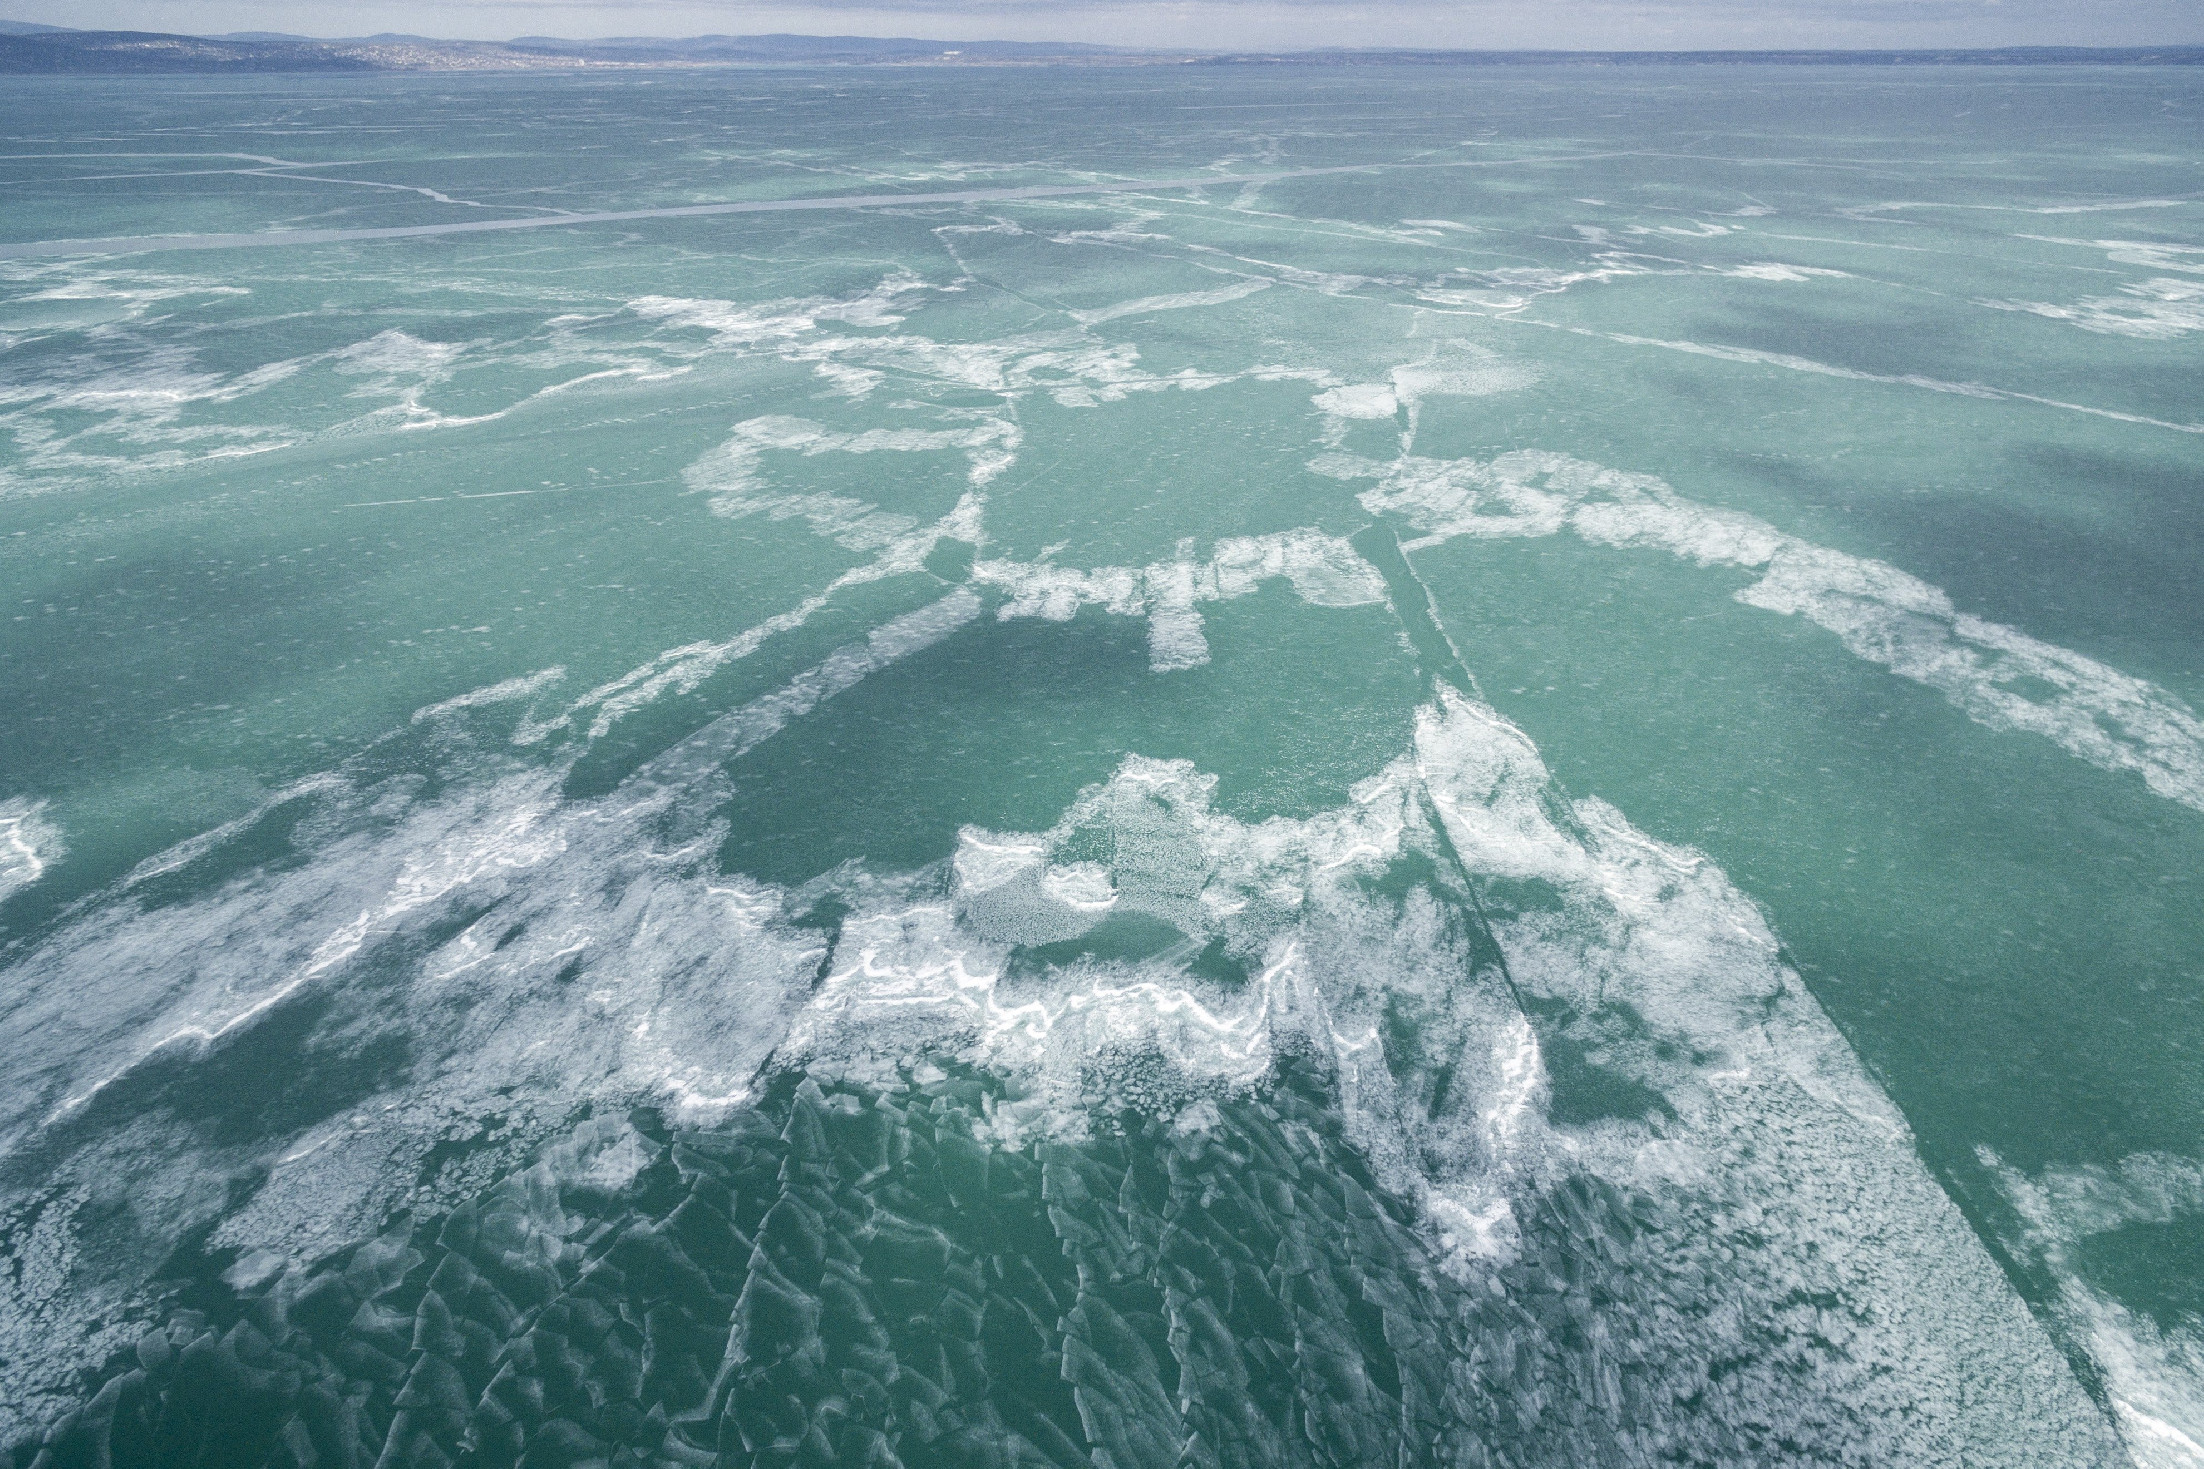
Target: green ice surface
(266,512)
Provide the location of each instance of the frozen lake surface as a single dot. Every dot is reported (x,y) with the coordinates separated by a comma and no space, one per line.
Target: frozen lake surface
(1309,766)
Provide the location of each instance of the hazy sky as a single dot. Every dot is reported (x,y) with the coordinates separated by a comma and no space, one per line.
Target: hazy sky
(1591,24)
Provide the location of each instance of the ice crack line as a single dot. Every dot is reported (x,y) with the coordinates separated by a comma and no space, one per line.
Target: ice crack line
(131,244)
(136,243)
(1753,356)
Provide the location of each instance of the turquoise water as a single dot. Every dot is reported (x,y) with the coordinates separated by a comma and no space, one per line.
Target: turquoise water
(1535,800)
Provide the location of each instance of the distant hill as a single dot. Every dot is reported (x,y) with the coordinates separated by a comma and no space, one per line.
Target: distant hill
(61,51)
(26,48)
(813,49)
(1993,56)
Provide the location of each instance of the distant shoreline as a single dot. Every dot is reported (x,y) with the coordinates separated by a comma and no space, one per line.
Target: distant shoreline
(30,50)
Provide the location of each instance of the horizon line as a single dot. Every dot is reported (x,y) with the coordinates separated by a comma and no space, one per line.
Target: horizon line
(33,29)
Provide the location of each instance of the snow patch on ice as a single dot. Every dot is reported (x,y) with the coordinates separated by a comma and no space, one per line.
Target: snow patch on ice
(1323,571)
(2153,1373)
(1996,675)
(29,844)
(2156,310)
